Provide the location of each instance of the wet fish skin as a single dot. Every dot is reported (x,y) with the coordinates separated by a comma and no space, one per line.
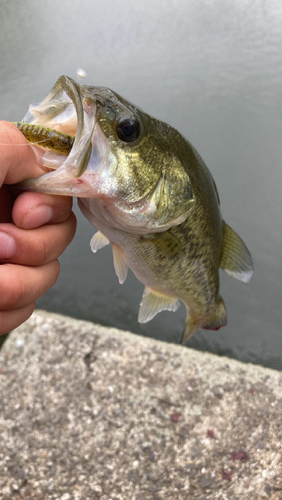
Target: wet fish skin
(152,197)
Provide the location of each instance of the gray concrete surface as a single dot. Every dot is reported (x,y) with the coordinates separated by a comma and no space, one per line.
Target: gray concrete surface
(88,412)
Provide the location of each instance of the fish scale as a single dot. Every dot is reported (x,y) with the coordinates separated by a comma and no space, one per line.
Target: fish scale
(150,195)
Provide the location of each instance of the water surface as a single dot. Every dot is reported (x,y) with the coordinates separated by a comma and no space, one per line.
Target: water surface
(212,69)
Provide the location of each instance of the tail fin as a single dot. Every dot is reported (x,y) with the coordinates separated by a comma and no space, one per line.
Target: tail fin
(212,322)
(217,319)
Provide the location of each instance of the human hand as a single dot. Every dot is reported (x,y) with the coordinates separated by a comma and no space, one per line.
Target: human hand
(34,230)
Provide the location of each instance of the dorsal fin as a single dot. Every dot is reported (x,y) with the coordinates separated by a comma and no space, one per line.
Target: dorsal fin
(236,259)
(98,241)
(154,302)
(121,267)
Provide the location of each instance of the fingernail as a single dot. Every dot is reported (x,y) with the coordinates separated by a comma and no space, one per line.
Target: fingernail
(8,246)
(37,217)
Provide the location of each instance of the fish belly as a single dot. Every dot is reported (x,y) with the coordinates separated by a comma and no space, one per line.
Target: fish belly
(169,269)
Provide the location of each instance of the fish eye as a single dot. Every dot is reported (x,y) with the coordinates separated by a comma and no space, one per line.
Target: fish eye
(128,130)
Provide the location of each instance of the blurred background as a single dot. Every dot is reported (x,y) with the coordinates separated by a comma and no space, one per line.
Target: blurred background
(213,70)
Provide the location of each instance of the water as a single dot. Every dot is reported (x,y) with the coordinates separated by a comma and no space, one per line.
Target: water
(212,69)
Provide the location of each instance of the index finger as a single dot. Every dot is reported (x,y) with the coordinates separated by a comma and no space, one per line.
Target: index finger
(17,157)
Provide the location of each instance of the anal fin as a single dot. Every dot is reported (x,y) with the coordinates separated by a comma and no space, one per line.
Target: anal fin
(98,241)
(191,327)
(121,267)
(154,302)
(214,321)
(236,259)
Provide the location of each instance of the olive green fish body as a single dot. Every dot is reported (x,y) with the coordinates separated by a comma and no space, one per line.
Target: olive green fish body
(150,195)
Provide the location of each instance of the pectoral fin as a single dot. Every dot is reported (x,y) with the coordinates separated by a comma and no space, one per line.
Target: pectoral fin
(236,259)
(154,302)
(98,241)
(121,267)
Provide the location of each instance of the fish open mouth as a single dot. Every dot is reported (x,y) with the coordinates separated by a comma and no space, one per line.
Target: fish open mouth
(68,108)
(100,165)
(89,170)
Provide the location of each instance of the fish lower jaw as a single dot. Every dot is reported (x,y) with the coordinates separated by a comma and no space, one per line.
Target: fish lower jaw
(60,182)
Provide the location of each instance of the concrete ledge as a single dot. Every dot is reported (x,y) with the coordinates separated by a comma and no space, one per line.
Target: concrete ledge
(89,412)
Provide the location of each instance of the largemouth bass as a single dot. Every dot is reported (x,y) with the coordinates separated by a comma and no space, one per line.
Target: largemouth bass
(149,194)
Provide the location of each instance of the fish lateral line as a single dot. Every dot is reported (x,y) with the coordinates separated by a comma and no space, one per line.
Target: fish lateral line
(46,137)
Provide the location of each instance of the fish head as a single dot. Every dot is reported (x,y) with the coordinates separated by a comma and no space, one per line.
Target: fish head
(123,162)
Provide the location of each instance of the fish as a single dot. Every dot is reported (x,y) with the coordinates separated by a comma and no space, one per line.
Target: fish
(148,193)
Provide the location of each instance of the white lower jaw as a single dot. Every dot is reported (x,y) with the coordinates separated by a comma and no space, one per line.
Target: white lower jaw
(60,182)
